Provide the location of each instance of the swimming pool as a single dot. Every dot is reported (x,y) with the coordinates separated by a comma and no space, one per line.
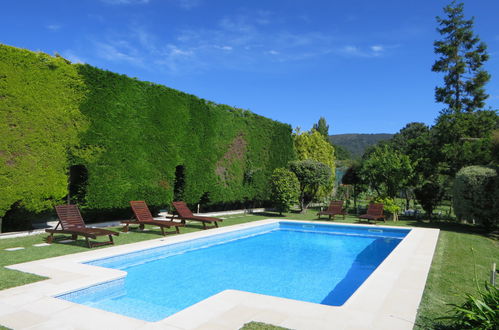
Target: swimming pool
(317,263)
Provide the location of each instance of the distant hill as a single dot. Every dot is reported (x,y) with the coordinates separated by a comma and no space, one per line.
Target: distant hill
(357,144)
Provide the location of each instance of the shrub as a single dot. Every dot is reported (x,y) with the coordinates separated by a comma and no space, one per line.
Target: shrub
(478,312)
(476,195)
(389,206)
(284,188)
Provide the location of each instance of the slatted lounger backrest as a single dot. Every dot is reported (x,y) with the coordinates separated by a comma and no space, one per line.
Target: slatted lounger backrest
(182,210)
(375,209)
(335,207)
(141,211)
(69,217)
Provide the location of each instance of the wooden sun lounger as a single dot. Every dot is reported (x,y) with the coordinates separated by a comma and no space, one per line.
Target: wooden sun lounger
(144,217)
(374,212)
(184,214)
(72,223)
(335,208)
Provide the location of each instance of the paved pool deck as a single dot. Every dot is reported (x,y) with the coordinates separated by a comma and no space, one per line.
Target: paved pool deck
(388,299)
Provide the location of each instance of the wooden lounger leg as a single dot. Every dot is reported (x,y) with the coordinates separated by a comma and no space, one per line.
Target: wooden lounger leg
(162,230)
(125,229)
(74,237)
(176,229)
(216,224)
(141,226)
(50,238)
(111,239)
(204,225)
(88,242)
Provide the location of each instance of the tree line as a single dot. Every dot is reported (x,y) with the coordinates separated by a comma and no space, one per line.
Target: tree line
(455,159)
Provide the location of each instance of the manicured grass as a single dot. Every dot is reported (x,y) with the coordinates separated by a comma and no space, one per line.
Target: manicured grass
(261,326)
(457,257)
(451,275)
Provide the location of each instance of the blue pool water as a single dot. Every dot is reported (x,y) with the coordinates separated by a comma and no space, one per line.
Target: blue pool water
(323,264)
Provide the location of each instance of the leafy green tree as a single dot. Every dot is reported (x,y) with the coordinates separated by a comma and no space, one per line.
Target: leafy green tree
(476,195)
(312,175)
(353,177)
(414,140)
(322,127)
(341,153)
(495,146)
(284,187)
(386,170)
(313,145)
(429,195)
(462,56)
(463,139)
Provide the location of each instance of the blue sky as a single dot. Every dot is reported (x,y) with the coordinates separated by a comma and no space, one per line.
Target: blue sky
(364,65)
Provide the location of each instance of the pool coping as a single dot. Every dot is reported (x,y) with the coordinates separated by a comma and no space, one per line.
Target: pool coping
(389,298)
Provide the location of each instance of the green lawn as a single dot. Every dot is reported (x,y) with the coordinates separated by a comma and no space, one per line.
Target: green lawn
(451,274)
(261,326)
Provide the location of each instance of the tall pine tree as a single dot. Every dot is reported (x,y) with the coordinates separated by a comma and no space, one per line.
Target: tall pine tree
(462,56)
(462,131)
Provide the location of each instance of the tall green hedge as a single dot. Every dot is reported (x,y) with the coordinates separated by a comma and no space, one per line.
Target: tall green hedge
(128,134)
(39,124)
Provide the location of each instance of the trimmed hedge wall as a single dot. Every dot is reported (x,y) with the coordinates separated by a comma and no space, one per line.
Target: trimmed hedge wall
(39,123)
(129,135)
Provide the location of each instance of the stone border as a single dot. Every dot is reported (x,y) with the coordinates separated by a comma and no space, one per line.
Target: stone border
(388,299)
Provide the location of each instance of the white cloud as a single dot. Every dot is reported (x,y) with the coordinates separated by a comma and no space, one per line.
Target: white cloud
(69,55)
(226,48)
(118,51)
(366,52)
(126,2)
(174,51)
(353,50)
(240,42)
(188,4)
(53,27)
(184,4)
(144,38)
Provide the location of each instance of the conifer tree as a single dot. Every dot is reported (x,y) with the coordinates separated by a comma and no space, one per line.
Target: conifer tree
(462,56)
(462,131)
(322,127)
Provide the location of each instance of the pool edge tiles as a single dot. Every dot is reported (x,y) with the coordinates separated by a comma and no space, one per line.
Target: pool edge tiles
(388,299)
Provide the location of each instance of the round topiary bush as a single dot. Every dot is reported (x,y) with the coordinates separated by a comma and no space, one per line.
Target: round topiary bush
(476,195)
